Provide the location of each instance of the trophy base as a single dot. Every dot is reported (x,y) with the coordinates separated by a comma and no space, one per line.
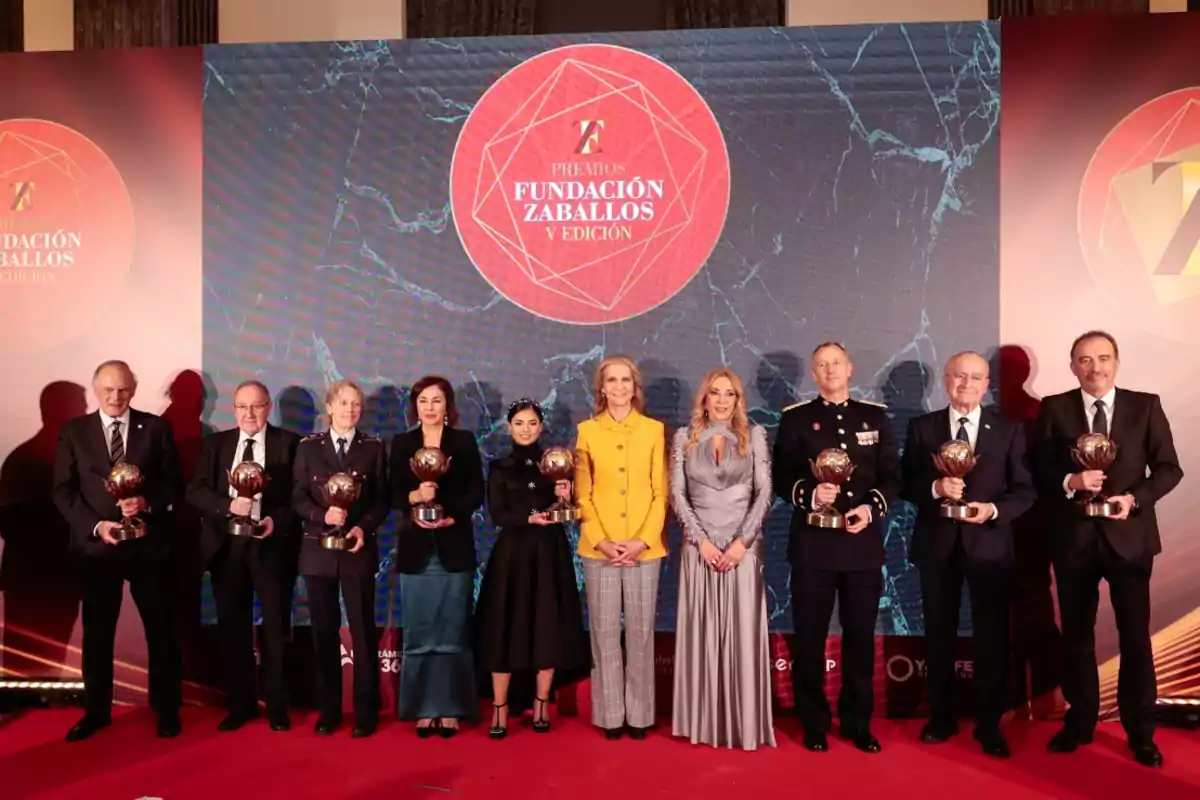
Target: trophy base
(247,528)
(335,541)
(1100,508)
(957,512)
(128,530)
(829,521)
(428,514)
(562,514)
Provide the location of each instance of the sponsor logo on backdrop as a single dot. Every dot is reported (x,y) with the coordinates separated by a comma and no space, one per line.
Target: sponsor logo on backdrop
(1139,214)
(590,184)
(902,669)
(66,231)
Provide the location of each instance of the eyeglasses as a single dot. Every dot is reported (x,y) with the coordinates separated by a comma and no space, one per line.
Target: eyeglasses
(256,407)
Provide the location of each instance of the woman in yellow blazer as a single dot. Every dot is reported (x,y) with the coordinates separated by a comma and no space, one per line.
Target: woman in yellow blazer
(621,484)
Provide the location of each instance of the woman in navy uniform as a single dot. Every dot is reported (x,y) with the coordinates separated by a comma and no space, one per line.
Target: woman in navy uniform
(836,563)
(342,448)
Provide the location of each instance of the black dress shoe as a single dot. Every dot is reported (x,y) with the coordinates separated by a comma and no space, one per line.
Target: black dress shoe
(86,727)
(169,726)
(279,721)
(1147,754)
(816,742)
(327,725)
(364,729)
(1068,740)
(637,734)
(938,732)
(864,741)
(612,734)
(235,720)
(992,742)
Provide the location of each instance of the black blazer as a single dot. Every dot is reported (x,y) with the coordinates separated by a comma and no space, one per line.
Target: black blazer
(208,491)
(1142,434)
(865,432)
(81,468)
(316,460)
(1001,477)
(459,492)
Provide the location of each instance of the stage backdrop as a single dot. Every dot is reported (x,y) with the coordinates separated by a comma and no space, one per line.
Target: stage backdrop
(506,212)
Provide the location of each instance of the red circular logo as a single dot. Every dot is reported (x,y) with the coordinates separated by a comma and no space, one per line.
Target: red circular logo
(66,233)
(590,184)
(1139,218)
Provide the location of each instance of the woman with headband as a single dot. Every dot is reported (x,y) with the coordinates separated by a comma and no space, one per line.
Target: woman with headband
(529,621)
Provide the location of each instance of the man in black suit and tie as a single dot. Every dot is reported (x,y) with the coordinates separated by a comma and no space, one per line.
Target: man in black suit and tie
(978,549)
(88,448)
(1119,549)
(241,565)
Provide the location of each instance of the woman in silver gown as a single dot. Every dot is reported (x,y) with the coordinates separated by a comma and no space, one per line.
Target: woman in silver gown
(721,492)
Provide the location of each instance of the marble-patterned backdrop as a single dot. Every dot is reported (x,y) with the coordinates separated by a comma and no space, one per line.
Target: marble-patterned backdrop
(864,208)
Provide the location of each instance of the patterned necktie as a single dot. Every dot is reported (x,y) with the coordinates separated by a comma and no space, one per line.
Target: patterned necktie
(962,430)
(341,452)
(248,453)
(116,447)
(1100,419)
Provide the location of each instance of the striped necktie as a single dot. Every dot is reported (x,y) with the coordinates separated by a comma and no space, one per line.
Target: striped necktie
(116,447)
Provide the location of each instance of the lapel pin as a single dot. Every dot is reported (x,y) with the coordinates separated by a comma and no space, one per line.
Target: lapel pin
(816,426)
(988,427)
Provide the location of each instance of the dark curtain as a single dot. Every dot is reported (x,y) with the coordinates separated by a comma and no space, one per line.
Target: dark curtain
(684,14)
(109,24)
(441,19)
(12,26)
(998,9)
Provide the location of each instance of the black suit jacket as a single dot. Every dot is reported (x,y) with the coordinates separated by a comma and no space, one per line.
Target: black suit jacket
(1142,434)
(208,491)
(81,468)
(864,431)
(459,492)
(316,460)
(1001,477)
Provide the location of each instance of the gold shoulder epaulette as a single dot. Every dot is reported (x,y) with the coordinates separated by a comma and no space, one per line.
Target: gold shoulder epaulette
(872,403)
(369,437)
(312,437)
(797,405)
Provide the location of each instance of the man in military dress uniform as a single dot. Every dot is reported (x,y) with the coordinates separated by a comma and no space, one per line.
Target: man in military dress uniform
(345,449)
(836,563)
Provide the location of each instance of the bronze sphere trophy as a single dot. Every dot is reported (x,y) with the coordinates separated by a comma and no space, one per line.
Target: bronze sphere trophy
(125,481)
(429,464)
(1095,451)
(247,479)
(342,490)
(831,466)
(558,464)
(955,459)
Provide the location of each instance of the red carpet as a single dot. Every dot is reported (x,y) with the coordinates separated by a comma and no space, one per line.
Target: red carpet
(126,761)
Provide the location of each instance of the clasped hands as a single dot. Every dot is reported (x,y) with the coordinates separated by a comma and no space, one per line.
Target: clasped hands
(1092,480)
(953,489)
(722,561)
(857,518)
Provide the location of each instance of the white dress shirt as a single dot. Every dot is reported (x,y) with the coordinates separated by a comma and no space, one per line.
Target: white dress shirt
(1089,411)
(260,458)
(106,425)
(973,417)
(348,436)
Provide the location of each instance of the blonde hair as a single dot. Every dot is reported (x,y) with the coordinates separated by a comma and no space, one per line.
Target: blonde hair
(332,392)
(600,404)
(739,423)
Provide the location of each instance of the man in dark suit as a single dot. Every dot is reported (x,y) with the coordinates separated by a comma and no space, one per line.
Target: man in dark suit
(1119,549)
(88,448)
(979,548)
(241,565)
(342,449)
(836,563)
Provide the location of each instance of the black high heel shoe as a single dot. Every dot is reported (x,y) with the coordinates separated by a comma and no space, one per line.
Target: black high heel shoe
(428,730)
(540,723)
(498,731)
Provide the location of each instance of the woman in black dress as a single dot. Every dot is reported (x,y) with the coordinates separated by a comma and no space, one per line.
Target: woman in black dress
(529,620)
